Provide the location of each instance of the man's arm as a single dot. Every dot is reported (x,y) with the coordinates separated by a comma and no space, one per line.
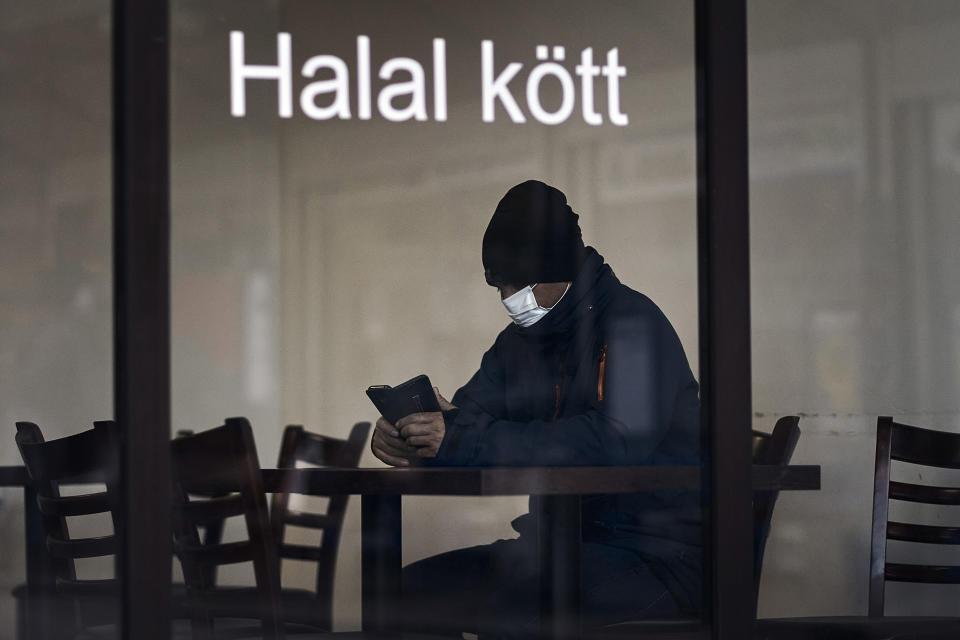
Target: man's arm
(421,435)
(645,369)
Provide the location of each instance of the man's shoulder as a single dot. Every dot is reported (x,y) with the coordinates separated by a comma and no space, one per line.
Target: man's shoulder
(626,303)
(631,318)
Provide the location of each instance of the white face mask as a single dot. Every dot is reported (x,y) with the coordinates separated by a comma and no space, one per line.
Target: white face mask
(523,307)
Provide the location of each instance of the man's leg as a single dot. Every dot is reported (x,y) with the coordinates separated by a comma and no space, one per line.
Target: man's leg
(494,589)
(617,584)
(461,590)
(621,584)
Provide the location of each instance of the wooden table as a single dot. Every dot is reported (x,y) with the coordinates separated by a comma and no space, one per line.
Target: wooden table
(382,489)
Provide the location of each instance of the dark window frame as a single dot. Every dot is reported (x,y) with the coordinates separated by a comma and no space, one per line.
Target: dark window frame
(723,251)
(141,309)
(141,237)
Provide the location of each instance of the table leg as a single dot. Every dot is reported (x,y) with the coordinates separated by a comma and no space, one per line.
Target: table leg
(559,541)
(380,561)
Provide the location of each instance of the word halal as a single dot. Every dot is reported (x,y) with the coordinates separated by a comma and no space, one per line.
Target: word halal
(406,99)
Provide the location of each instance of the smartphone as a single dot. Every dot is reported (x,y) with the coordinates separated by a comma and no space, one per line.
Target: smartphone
(413,396)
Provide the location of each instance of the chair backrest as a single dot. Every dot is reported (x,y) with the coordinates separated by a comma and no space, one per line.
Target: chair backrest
(210,463)
(775,448)
(213,531)
(919,446)
(90,457)
(299,445)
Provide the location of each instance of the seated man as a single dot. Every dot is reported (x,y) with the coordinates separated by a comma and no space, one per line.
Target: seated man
(590,372)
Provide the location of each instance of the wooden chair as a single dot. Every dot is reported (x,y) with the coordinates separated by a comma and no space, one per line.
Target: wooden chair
(90,457)
(202,465)
(303,606)
(775,448)
(919,446)
(301,446)
(924,447)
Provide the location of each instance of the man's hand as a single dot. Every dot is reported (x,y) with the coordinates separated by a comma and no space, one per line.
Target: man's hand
(425,431)
(387,445)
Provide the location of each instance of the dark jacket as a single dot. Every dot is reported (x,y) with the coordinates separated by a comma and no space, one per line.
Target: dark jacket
(602,379)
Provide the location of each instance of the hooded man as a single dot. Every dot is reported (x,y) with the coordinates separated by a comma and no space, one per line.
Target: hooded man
(589,372)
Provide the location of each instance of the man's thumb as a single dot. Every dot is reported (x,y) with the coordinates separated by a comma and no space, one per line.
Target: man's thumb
(444,404)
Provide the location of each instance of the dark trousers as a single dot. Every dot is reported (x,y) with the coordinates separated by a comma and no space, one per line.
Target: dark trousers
(493,589)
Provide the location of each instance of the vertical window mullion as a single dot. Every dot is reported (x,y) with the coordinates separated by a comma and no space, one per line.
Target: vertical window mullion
(724,294)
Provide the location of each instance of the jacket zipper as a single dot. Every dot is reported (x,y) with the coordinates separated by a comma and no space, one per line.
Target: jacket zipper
(556,408)
(602,373)
(558,388)
(601,378)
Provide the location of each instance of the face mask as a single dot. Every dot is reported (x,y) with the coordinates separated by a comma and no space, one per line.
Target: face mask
(523,308)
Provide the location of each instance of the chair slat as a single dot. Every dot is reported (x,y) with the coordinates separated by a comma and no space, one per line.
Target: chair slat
(82,547)
(78,459)
(217,554)
(299,552)
(309,520)
(925,494)
(937,574)
(209,510)
(925,446)
(314,448)
(922,533)
(65,506)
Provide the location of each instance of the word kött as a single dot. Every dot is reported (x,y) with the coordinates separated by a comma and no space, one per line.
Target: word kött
(406,99)
(495,88)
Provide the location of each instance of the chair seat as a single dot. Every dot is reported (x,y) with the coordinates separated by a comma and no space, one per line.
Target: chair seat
(342,635)
(300,606)
(227,630)
(665,628)
(858,628)
(106,588)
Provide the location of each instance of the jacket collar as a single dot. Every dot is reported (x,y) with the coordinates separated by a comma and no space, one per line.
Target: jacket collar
(588,295)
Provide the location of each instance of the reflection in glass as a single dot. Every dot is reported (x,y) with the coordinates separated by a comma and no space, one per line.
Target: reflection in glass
(55,259)
(853,140)
(334,168)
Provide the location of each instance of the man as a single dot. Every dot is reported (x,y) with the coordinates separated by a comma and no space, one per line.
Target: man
(589,372)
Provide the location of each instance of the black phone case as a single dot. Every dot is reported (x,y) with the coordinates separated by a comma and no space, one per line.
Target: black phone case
(413,396)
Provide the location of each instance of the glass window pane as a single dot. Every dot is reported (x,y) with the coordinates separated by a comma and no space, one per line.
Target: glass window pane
(329,212)
(55,254)
(854,120)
